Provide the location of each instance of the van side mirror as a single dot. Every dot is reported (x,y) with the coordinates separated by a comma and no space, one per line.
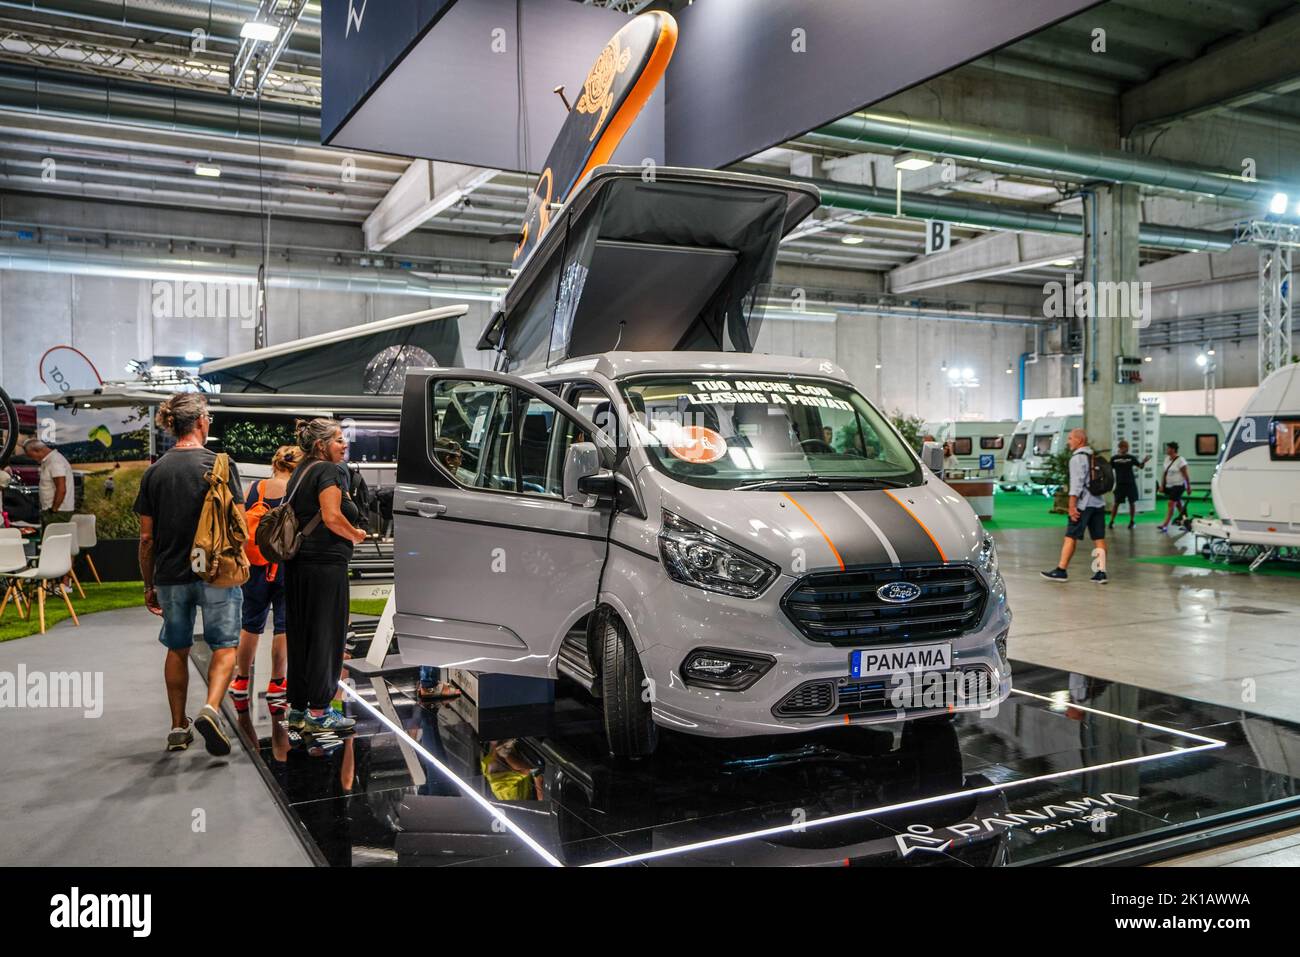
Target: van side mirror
(582,460)
(932,457)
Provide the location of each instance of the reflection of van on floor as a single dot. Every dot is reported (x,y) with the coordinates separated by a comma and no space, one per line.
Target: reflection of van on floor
(709,541)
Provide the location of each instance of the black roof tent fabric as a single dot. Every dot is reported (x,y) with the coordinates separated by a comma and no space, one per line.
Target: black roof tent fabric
(336,367)
(671,263)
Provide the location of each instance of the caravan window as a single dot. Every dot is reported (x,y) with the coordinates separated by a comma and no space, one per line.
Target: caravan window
(1043,444)
(990,442)
(961,446)
(1284,440)
(1018,443)
(1207,443)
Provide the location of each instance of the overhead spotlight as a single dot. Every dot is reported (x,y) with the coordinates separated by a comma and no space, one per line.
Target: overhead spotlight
(954,374)
(207,169)
(853,240)
(968,373)
(193,356)
(1202,359)
(1062,262)
(1148,359)
(1075,364)
(1278,203)
(877,365)
(1209,352)
(912,161)
(943,365)
(1010,371)
(259,30)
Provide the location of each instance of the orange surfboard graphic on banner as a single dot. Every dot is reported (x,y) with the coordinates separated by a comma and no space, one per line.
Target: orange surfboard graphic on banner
(616,89)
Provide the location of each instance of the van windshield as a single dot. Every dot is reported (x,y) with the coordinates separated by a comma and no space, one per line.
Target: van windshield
(1018,443)
(735,431)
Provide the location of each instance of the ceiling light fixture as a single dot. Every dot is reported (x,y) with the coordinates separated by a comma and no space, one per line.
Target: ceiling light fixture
(260,31)
(912,161)
(207,169)
(853,240)
(1278,204)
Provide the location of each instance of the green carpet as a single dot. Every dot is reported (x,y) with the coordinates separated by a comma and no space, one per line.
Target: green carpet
(1021,510)
(1196,561)
(103,597)
(367,606)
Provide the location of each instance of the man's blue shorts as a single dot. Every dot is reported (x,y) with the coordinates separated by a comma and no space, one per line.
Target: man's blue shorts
(221,614)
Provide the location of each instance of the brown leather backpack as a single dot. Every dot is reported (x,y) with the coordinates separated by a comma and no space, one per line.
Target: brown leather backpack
(218,555)
(278,536)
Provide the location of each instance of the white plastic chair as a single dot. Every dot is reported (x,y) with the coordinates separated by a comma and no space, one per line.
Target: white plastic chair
(86,540)
(53,565)
(68,528)
(13,558)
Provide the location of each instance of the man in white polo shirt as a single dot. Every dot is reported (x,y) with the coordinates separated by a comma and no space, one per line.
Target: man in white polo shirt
(58,491)
(1087,512)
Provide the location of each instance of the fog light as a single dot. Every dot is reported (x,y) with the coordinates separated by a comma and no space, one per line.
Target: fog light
(1001,642)
(724,670)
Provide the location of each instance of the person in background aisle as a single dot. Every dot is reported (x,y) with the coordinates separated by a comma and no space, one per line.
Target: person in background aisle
(950,461)
(316,578)
(264,591)
(58,490)
(1175,482)
(1126,465)
(172,491)
(1087,511)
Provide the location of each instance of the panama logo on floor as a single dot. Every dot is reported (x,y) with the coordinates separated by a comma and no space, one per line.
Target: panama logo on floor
(56,689)
(75,910)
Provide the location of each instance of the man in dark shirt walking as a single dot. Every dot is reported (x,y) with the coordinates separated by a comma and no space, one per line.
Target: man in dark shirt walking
(1126,465)
(171,497)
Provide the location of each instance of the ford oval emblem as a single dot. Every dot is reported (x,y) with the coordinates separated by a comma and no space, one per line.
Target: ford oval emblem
(898,593)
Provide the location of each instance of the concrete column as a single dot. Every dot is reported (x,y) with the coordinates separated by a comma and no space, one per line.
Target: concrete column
(1111,216)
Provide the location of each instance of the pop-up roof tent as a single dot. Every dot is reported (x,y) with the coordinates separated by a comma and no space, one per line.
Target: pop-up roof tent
(648,259)
(366,359)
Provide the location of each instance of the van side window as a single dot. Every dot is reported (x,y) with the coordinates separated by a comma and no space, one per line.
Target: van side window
(961,446)
(492,436)
(1207,443)
(992,442)
(473,432)
(1284,439)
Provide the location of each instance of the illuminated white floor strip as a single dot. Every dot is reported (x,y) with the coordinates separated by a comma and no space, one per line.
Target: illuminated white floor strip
(1205,744)
(487,805)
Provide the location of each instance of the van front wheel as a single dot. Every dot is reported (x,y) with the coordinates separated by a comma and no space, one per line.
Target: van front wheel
(626,694)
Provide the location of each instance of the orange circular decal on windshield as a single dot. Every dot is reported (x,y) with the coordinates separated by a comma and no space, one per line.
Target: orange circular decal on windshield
(698,445)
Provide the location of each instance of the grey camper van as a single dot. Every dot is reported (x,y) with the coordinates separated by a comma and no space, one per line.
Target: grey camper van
(708,540)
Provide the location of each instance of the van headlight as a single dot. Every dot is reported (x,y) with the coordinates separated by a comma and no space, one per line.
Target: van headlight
(987,560)
(701,559)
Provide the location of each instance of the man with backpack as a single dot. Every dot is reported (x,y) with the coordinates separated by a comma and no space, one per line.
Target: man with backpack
(264,591)
(1090,478)
(191,556)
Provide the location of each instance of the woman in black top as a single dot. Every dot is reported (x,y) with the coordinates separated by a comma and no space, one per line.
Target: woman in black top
(316,578)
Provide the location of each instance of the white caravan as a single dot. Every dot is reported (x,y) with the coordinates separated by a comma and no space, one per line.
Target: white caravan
(1256,486)
(1014,474)
(970,440)
(1200,440)
(1047,439)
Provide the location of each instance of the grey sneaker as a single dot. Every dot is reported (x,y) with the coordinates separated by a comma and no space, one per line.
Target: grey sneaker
(178,739)
(329,722)
(208,724)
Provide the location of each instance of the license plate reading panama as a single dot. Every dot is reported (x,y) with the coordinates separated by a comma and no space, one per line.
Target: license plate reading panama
(884,661)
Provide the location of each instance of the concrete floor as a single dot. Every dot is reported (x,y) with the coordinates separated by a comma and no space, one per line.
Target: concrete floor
(86,791)
(1186,631)
(103,791)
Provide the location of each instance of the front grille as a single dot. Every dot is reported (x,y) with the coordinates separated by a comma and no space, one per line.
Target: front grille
(867,696)
(813,698)
(842,609)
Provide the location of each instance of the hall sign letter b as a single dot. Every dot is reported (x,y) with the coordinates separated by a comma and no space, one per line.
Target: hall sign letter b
(938,234)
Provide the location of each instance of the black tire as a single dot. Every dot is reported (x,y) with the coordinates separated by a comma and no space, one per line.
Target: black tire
(629,728)
(8,428)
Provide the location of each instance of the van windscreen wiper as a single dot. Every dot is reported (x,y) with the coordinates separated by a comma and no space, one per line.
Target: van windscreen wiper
(783,483)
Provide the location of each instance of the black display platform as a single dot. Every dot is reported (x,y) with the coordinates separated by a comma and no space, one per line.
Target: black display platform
(1071,769)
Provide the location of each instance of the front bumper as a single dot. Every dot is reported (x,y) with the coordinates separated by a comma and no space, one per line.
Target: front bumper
(669,620)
